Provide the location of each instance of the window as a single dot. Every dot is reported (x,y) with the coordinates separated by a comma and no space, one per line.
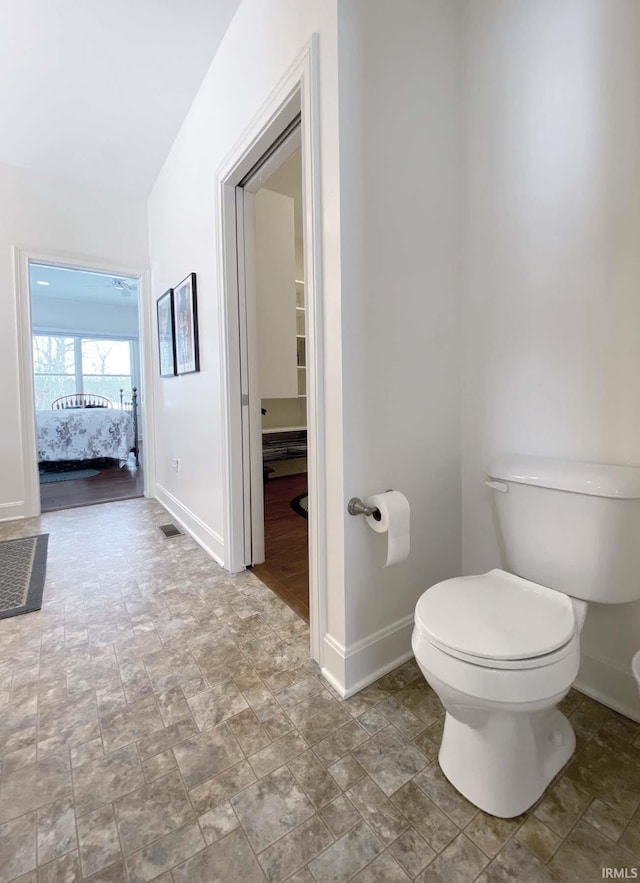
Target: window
(53,368)
(64,364)
(106,367)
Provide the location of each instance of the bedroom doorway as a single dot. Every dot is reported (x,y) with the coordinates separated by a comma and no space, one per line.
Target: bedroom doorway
(85,344)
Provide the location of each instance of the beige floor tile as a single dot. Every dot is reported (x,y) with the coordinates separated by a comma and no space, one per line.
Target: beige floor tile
(152,811)
(461,862)
(166,853)
(218,822)
(586,852)
(436,827)
(315,781)
(491,833)
(563,805)
(515,862)
(99,844)
(295,849)
(34,786)
(56,830)
(436,786)
(606,820)
(105,779)
(229,859)
(384,819)
(203,756)
(271,807)
(539,839)
(340,815)
(384,869)
(390,759)
(17,847)
(344,858)
(412,852)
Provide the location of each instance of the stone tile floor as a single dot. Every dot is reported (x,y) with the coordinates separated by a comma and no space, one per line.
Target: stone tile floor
(161,721)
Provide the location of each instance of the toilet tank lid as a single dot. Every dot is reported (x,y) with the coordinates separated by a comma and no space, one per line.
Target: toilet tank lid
(594,479)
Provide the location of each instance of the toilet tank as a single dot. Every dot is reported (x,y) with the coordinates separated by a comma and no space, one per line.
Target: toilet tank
(573,527)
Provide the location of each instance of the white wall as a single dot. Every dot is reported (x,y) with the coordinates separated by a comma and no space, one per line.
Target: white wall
(51,215)
(275,273)
(400,223)
(84,316)
(551,308)
(396,288)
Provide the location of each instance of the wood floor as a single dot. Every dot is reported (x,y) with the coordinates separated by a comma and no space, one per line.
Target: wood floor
(113,483)
(286,566)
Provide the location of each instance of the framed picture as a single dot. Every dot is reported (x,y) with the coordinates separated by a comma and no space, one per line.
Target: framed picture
(166,334)
(186,324)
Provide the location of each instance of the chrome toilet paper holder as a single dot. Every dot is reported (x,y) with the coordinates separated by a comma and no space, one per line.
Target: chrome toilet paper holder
(355,506)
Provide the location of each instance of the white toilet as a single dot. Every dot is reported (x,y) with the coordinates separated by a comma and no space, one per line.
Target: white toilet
(502,650)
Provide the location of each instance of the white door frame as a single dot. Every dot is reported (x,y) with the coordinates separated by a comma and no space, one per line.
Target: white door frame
(297,93)
(22,259)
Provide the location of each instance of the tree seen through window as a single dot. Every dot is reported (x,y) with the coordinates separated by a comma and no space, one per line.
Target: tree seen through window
(65,364)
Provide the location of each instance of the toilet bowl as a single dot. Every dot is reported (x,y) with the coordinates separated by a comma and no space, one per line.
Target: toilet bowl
(500,652)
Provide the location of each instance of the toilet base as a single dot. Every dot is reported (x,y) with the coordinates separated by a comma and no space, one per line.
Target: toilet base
(503,761)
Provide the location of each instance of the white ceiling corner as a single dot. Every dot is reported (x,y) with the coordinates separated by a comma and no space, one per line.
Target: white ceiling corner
(96,91)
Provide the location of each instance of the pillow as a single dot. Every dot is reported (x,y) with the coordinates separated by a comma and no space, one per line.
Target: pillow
(95,406)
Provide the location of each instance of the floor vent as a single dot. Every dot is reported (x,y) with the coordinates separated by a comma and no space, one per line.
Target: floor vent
(169,530)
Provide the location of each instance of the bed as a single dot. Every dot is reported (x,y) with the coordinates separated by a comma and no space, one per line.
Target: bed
(81,428)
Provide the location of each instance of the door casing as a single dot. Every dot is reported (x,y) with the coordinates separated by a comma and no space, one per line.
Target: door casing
(295,95)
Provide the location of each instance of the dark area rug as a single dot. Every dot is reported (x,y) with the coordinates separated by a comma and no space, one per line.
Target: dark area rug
(300,505)
(48,477)
(23,565)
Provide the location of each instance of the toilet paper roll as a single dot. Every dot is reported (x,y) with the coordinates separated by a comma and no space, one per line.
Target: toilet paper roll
(393,520)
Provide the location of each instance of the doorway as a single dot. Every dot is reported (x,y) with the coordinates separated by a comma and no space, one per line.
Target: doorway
(294,100)
(85,343)
(274,270)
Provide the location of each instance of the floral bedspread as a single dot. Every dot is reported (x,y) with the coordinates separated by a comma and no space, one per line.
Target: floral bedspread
(84,434)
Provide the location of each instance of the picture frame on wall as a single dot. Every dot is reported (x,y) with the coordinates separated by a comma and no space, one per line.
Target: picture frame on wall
(166,334)
(185,312)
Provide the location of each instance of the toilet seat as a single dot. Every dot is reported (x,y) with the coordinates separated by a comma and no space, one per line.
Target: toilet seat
(504,664)
(497,620)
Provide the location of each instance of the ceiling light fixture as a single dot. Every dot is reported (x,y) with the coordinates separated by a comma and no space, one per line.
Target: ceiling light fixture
(41,282)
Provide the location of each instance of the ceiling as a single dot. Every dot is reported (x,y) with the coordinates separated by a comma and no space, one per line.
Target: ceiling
(66,284)
(97,90)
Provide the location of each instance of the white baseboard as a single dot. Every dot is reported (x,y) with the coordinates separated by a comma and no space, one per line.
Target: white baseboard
(350,669)
(211,542)
(12,511)
(612,687)
(334,664)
